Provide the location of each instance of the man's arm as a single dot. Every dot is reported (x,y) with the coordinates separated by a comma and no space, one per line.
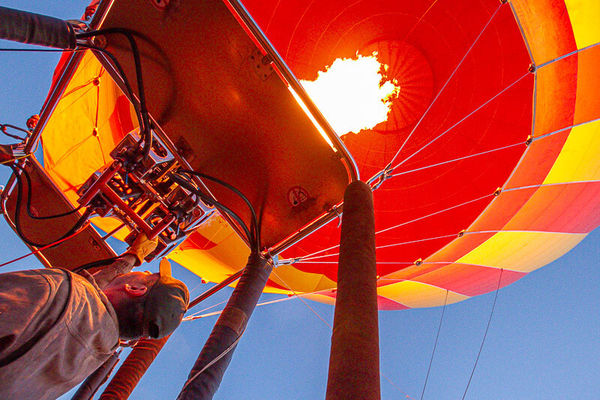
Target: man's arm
(141,247)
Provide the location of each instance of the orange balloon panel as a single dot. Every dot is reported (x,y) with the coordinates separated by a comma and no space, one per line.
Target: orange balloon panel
(90,119)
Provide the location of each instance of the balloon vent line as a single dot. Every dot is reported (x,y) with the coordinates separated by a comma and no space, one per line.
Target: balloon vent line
(378,262)
(302,300)
(435,213)
(389,245)
(396,386)
(444,86)
(494,97)
(198,314)
(510,146)
(327,323)
(312,260)
(419,21)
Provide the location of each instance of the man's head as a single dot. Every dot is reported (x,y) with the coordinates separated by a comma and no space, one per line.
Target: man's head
(148,305)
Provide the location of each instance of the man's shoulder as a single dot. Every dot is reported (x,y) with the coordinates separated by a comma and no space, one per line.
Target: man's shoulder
(34,274)
(34,283)
(50,275)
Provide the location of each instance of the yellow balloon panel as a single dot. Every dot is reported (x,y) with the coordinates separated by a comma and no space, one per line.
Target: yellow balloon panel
(289,277)
(416,294)
(522,251)
(214,251)
(578,161)
(584,15)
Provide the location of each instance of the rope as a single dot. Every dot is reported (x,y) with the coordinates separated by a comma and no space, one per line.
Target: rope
(456,159)
(42,248)
(437,336)
(210,314)
(295,295)
(302,300)
(443,87)
(387,245)
(330,327)
(459,122)
(484,335)
(198,314)
(310,255)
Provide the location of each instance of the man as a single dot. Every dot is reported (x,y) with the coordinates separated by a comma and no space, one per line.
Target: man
(57,327)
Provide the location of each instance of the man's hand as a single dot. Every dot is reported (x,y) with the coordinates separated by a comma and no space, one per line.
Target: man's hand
(141,247)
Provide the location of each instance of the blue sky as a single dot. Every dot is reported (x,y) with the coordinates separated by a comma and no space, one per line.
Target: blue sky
(543,342)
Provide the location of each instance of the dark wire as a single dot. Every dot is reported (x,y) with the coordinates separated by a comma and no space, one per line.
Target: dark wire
(29,193)
(255,232)
(255,227)
(82,220)
(147,132)
(208,200)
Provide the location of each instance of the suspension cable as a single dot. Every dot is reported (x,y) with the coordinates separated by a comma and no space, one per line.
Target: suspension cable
(39,249)
(437,336)
(485,334)
(444,86)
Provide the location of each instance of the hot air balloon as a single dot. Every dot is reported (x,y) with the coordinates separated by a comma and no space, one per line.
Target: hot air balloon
(484,169)
(485,163)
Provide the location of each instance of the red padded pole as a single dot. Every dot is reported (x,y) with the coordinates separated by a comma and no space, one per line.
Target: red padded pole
(206,375)
(133,368)
(354,356)
(90,386)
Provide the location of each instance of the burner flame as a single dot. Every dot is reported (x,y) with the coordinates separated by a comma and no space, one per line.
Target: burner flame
(353,94)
